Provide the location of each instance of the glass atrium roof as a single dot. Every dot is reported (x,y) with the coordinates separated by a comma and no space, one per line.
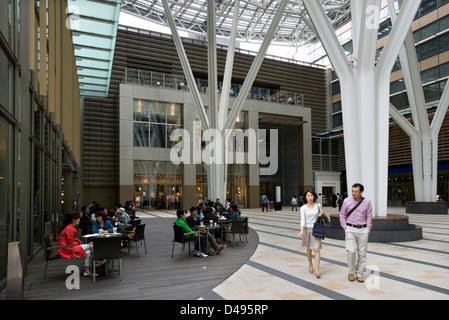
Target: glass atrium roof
(255,17)
(94,26)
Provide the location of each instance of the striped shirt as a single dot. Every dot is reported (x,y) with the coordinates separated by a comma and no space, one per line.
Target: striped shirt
(361,216)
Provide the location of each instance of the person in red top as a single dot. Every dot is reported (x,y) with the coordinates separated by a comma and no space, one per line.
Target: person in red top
(68,237)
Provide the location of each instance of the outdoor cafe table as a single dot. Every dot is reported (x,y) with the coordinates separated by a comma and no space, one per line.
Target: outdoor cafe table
(87,238)
(207,228)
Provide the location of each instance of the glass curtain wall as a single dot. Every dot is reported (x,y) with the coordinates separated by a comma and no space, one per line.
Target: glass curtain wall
(154,121)
(6,191)
(287,173)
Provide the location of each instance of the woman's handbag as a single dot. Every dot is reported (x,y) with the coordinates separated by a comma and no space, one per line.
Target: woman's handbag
(318,229)
(318,226)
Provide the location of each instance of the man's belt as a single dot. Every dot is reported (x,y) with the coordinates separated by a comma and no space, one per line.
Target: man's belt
(355,226)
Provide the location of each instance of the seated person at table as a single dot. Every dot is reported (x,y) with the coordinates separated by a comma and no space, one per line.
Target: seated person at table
(101,223)
(209,215)
(235,214)
(85,222)
(181,222)
(67,237)
(227,228)
(122,217)
(201,207)
(193,221)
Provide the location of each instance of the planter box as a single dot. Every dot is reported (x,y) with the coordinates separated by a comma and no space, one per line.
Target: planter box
(437,207)
(392,228)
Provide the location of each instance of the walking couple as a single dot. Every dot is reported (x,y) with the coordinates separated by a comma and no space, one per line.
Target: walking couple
(355,219)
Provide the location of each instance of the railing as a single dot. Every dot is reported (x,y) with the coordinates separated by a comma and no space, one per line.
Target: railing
(178,82)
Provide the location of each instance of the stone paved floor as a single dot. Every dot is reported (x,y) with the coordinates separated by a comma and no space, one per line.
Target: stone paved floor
(279,269)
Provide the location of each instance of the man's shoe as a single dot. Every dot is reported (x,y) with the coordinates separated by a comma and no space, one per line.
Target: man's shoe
(202,255)
(360,279)
(351,277)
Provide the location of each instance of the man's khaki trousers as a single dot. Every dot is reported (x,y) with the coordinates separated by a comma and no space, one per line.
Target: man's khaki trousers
(356,247)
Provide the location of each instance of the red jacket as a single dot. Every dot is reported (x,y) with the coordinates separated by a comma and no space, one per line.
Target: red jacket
(68,237)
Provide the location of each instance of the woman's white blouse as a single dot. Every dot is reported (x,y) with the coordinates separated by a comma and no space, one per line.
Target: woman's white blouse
(309,216)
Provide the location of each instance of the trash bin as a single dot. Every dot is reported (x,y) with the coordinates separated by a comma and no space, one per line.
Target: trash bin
(15,281)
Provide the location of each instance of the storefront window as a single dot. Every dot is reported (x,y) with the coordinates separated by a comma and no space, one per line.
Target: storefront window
(157,184)
(237,182)
(400,189)
(201,182)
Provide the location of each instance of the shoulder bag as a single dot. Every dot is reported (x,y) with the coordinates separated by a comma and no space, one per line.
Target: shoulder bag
(318,226)
(355,207)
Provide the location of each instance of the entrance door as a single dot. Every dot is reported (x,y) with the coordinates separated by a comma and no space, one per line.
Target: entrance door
(327,196)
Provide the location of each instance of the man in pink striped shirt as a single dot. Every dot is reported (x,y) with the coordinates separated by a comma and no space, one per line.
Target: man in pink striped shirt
(357,226)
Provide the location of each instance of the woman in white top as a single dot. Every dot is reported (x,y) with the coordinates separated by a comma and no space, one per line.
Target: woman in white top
(309,214)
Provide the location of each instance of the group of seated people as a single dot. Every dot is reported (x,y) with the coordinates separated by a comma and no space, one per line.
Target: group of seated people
(103,219)
(97,217)
(206,212)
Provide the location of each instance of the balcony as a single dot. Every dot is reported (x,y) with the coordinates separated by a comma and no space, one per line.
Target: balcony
(178,82)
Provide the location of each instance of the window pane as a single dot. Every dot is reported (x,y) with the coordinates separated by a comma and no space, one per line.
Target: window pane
(428,49)
(430,75)
(141,134)
(429,30)
(141,110)
(397,86)
(174,114)
(316,146)
(443,42)
(6,190)
(6,83)
(336,107)
(432,92)
(157,112)
(325,146)
(337,120)
(443,23)
(157,136)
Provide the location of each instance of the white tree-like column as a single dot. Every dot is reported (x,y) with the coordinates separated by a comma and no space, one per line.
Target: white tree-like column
(365,88)
(423,134)
(219,118)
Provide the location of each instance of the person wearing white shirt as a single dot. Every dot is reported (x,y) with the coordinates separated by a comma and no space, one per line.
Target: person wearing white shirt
(310,212)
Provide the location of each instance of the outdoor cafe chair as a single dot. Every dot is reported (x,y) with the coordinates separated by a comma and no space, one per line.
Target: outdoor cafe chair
(51,253)
(108,248)
(238,227)
(138,234)
(179,237)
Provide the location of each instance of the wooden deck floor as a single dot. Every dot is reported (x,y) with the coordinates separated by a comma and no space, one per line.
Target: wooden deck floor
(152,276)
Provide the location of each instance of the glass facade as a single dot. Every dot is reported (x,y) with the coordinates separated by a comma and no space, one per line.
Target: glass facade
(287,173)
(154,121)
(6,190)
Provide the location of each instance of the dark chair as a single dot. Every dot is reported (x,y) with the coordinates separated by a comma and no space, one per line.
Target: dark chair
(106,248)
(237,228)
(86,227)
(179,237)
(139,235)
(51,253)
